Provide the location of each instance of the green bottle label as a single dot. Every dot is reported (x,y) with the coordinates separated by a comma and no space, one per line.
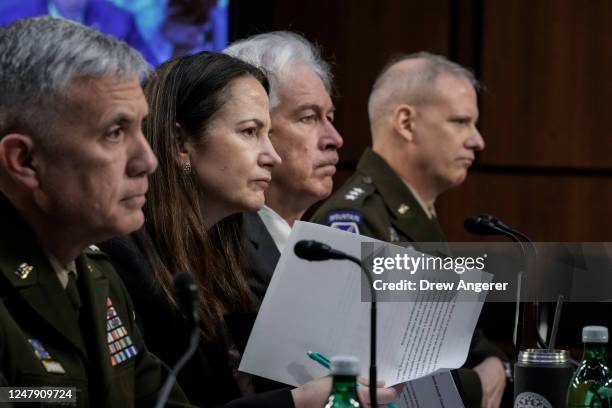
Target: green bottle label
(591,385)
(344,393)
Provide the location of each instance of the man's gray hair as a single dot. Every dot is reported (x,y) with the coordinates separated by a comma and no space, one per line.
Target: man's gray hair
(39,59)
(412,85)
(276,53)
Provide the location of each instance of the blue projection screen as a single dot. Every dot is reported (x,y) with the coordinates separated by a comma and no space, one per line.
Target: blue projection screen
(159,29)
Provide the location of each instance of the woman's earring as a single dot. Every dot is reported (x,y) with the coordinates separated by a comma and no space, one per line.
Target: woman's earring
(186,169)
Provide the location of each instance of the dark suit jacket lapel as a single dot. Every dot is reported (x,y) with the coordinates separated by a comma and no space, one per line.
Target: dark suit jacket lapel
(261,251)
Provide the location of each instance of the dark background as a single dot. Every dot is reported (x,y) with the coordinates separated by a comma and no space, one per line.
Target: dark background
(546,114)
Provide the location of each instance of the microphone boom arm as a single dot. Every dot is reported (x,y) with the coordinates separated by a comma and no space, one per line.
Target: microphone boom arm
(311,250)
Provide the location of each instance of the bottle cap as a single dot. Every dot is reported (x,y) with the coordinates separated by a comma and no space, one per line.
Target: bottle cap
(345,365)
(594,334)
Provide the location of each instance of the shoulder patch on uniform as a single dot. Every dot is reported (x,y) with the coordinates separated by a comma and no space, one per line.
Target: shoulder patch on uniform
(344,215)
(345,220)
(346,226)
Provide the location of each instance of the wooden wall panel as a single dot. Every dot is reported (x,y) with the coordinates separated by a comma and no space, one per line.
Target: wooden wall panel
(548,66)
(546,207)
(359,37)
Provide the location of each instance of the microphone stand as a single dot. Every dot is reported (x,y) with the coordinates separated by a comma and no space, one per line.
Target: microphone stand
(373,313)
(519,313)
(311,250)
(510,231)
(185,292)
(165,391)
(489,225)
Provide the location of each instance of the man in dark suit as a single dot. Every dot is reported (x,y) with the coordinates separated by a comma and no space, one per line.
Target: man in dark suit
(102,15)
(423,113)
(73,172)
(303,135)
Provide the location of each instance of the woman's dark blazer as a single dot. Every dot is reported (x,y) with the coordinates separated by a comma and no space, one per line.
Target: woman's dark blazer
(206,379)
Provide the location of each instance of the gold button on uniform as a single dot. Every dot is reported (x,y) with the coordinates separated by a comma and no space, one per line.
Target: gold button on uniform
(403,209)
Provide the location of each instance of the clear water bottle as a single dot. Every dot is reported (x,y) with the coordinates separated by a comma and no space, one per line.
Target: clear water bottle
(344,389)
(591,385)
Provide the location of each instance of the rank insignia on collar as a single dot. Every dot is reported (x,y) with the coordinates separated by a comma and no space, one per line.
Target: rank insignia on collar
(120,344)
(23,270)
(403,209)
(43,355)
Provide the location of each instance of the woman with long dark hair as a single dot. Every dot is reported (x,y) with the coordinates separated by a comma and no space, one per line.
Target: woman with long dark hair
(209,127)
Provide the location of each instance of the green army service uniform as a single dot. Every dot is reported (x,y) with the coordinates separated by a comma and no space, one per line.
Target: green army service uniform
(46,341)
(375,202)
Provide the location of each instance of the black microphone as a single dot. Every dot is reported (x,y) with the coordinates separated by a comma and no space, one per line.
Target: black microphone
(486,225)
(503,226)
(311,250)
(186,297)
(496,223)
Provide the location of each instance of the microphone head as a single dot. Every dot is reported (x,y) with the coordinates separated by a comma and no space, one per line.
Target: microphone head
(481,225)
(311,250)
(492,219)
(186,295)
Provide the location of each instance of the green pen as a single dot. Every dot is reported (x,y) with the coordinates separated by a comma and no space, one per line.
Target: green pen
(325,362)
(319,358)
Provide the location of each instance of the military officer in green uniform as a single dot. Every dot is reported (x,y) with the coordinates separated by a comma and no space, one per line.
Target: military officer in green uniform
(423,113)
(376,202)
(73,172)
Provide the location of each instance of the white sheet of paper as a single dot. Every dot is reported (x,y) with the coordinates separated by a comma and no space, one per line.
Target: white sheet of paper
(433,391)
(317,306)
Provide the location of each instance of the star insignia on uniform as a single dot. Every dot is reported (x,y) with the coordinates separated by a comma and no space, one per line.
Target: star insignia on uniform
(23,270)
(354,193)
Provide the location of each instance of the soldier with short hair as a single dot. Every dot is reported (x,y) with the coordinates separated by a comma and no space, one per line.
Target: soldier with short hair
(73,172)
(423,113)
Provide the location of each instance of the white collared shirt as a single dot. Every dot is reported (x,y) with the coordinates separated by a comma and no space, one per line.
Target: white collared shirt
(429,211)
(276,225)
(62,271)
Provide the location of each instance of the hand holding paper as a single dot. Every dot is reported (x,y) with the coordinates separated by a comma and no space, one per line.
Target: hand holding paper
(317,306)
